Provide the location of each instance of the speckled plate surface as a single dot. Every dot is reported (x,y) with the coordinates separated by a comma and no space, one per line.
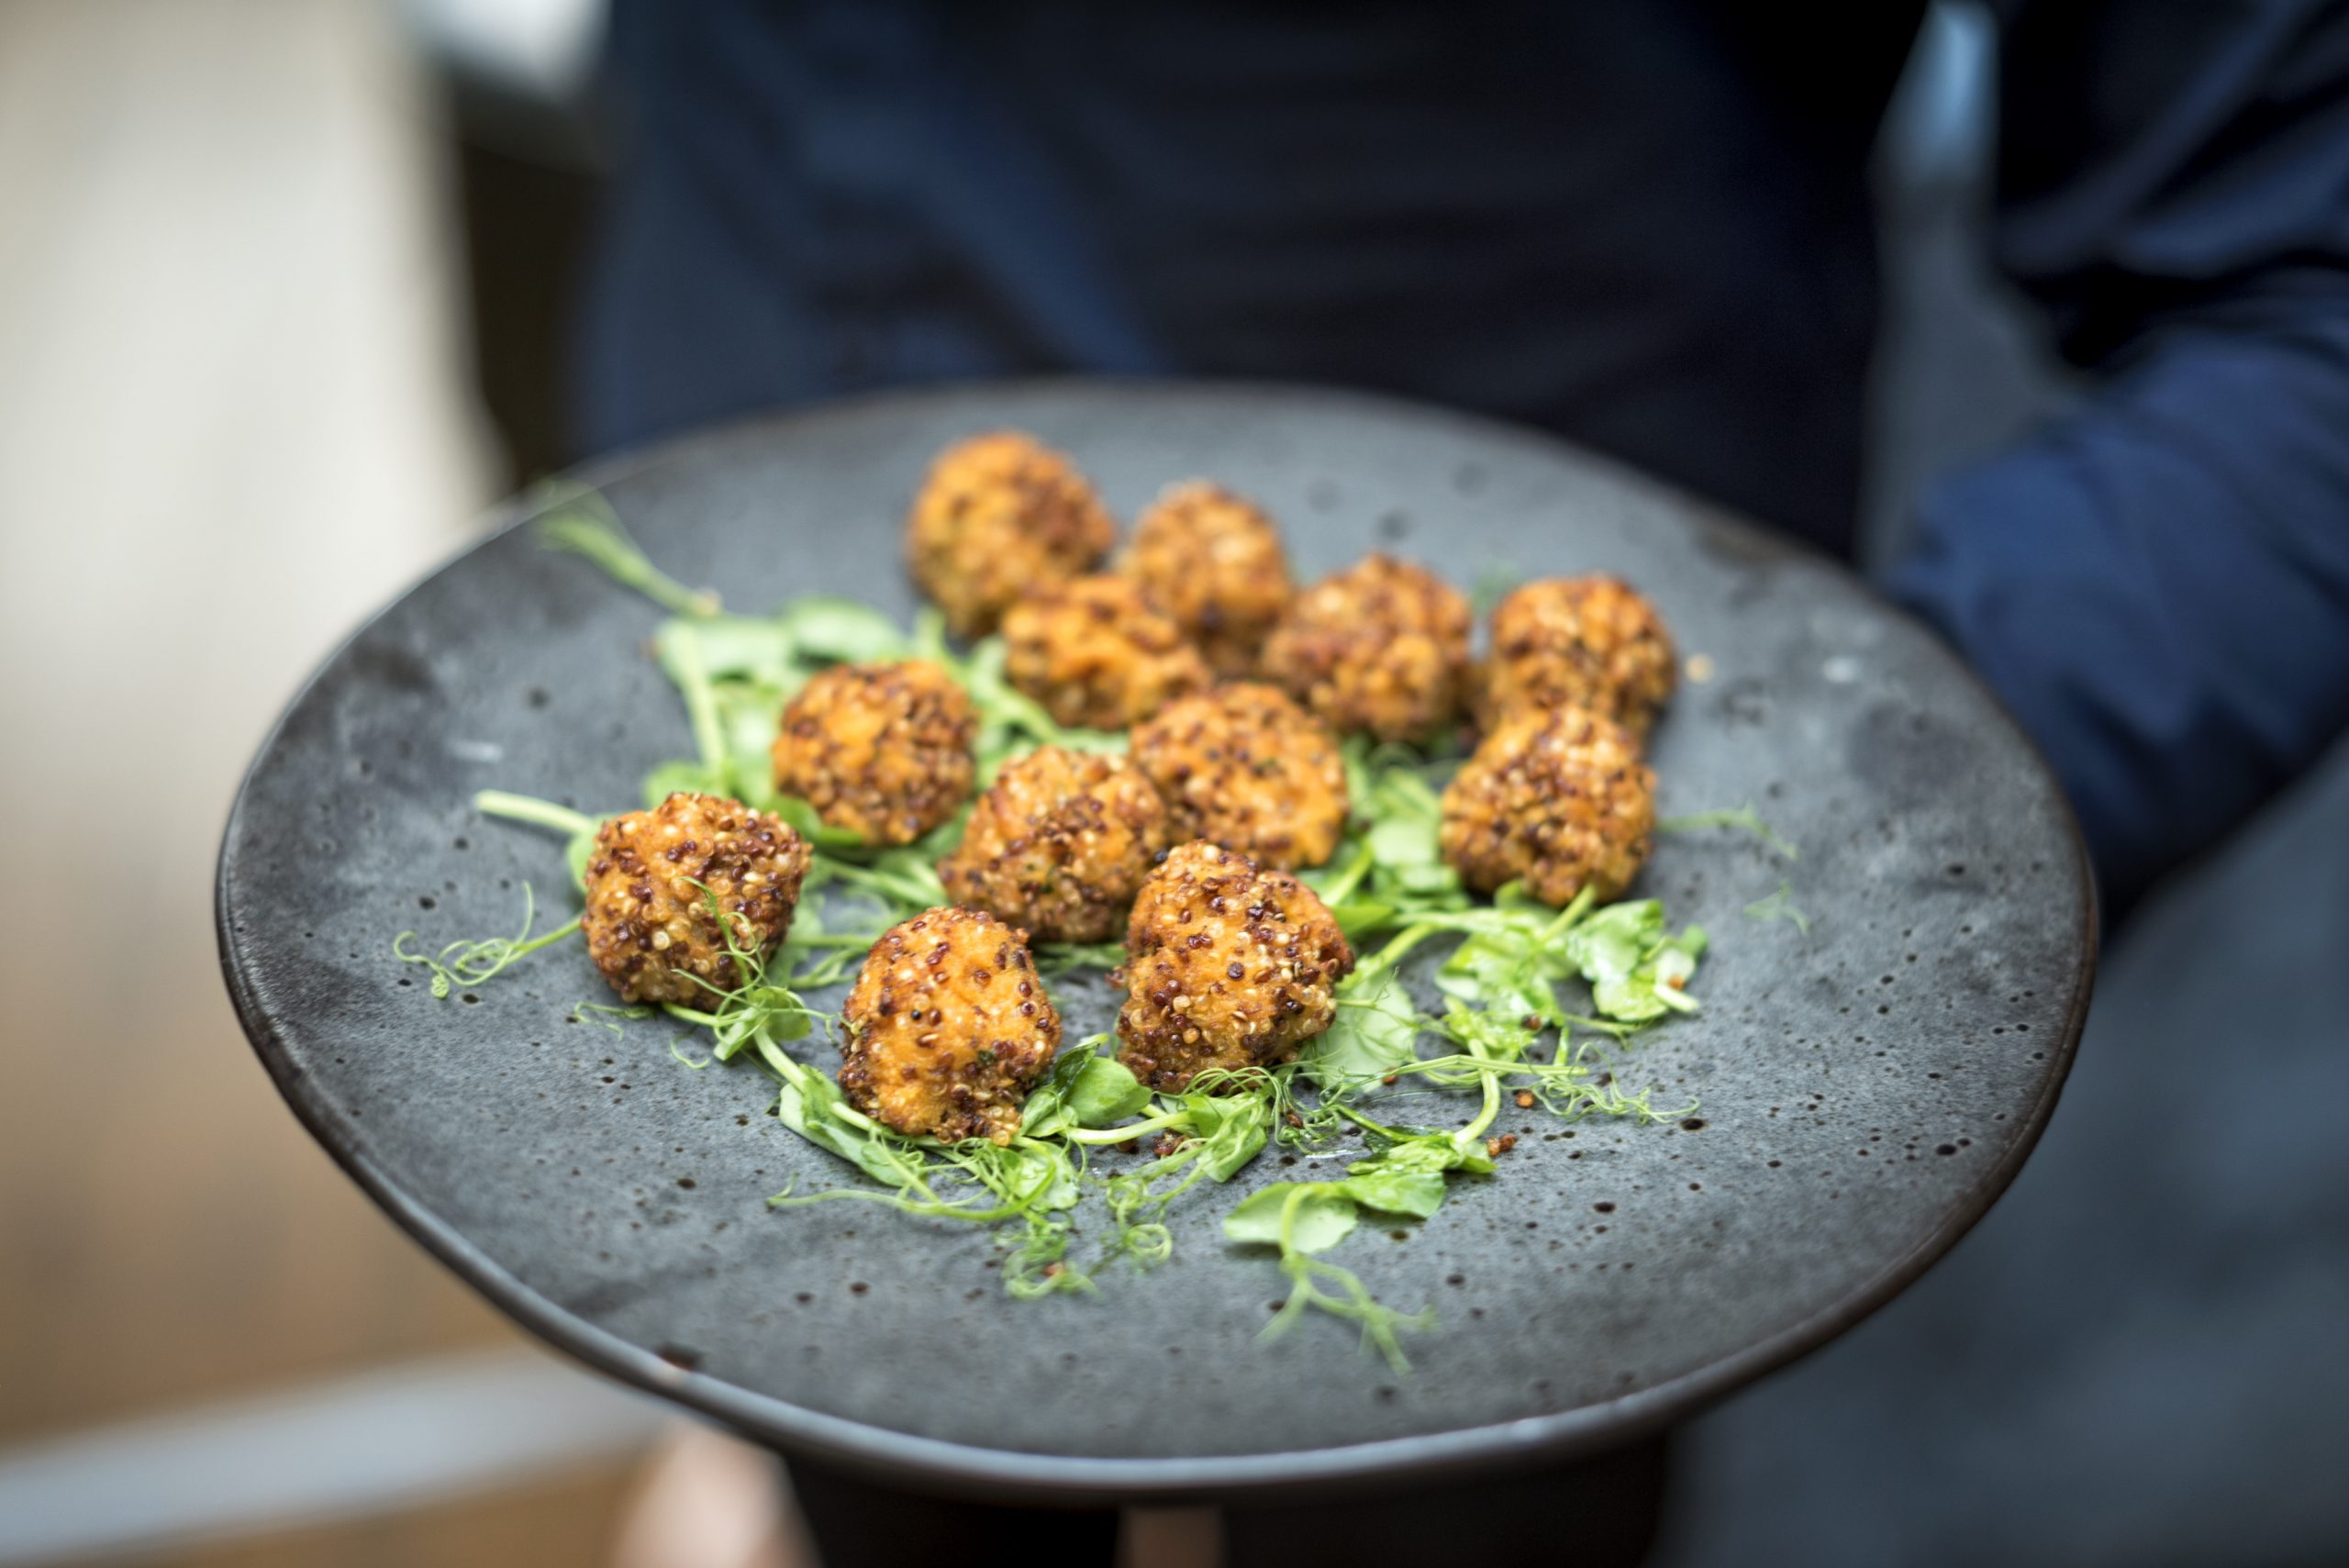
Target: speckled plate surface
(1867,1088)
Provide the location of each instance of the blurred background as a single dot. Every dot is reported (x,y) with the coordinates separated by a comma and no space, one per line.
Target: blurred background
(285,289)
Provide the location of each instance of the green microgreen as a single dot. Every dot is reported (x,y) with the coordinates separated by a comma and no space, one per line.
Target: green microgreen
(1779,906)
(584,524)
(465,964)
(1745,818)
(608,1015)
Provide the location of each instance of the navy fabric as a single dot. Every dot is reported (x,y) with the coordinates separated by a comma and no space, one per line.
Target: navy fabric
(1642,226)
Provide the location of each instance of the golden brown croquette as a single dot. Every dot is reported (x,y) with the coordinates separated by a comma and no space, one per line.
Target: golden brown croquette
(1098,654)
(1213,560)
(998,515)
(1244,767)
(1059,843)
(1556,798)
(947,1027)
(1228,966)
(1591,642)
(650,879)
(1381,646)
(883,751)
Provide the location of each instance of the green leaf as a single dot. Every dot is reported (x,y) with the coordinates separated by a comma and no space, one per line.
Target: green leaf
(1105,1093)
(577,851)
(1083,1089)
(1637,971)
(803,818)
(1416,1192)
(1433,1152)
(841,630)
(1376,1031)
(1323,1216)
(1614,941)
(1232,1129)
(808,1106)
(1405,841)
(739,648)
(1359,918)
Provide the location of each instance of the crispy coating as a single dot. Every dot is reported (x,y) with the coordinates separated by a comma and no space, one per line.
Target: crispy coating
(650,928)
(1381,647)
(1059,843)
(881,750)
(1557,796)
(998,515)
(1098,654)
(1244,767)
(1590,642)
(1227,965)
(1214,560)
(947,1027)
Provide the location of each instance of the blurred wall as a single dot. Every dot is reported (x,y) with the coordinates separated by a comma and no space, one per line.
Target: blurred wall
(234,417)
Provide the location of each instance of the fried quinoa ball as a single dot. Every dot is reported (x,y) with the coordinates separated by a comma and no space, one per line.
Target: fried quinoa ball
(1059,844)
(1214,560)
(881,750)
(947,1027)
(1245,767)
(1228,966)
(1590,642)
(998,515)
(1098,654)
(1381,647)
(1557,796)
(650,928)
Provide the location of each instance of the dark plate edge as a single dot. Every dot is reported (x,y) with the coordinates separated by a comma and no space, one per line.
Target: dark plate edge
(930,1464)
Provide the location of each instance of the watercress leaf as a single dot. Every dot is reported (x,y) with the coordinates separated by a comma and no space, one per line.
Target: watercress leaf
(1416,1192)
(1232,1128)
(1360,917)
(741,649)
(577,851)
(1433,1152)
(1323,1216)
(806,1106)
(1105,1093)
(1610,943)
(1405,841)
(841,630)
(779,1011)
(1376,1031)
(1039,1175)
(1638,984)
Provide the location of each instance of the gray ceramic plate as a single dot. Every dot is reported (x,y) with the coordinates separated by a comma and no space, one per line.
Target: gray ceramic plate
(1867,1089)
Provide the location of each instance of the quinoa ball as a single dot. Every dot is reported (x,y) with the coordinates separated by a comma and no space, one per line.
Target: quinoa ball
(1059,843)
(1591,642)
(997,514)
(1227,965)
(1380,647)
(1557,798)
(947,1027)
(650,928)
(1244,767)
(1098,654)
(883,751)
(1214,560)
